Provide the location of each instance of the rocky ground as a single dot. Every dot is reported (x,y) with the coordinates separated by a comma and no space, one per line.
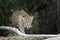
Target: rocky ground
(28,38)
(19,38)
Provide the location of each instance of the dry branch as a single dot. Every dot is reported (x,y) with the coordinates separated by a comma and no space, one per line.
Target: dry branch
(26,35)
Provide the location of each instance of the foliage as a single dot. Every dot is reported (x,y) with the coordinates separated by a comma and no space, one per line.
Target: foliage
(44,11)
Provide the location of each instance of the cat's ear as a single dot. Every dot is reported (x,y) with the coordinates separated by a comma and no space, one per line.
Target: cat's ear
(32,17)
(22,10)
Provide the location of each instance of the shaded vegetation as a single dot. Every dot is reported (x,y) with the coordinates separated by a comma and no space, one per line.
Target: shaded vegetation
(45,14)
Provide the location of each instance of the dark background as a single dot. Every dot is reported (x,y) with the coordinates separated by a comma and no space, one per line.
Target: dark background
(46,14)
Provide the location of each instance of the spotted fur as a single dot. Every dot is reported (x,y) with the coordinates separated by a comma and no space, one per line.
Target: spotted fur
(22,18)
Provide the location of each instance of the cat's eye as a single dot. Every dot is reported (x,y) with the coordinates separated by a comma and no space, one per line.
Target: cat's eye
(22,16)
